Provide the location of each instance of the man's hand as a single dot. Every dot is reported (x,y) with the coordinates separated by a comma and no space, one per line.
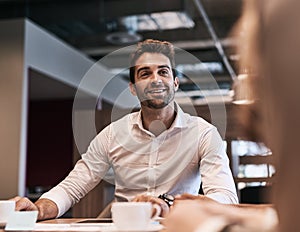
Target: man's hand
(154,200)
(24,204)
(47,209)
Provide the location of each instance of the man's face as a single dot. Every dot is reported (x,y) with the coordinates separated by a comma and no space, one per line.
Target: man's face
(154,83)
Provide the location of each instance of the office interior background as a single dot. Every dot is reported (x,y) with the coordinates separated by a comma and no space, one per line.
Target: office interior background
(49,112)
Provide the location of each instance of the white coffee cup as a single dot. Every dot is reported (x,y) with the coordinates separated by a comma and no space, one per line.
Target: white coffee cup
(7,207)
(132,216)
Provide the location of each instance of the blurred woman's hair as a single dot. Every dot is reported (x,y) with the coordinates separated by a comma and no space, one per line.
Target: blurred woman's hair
(270,49)
(246,30)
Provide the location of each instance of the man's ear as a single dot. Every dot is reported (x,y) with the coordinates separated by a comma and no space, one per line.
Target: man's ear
(176,83)
(132,88)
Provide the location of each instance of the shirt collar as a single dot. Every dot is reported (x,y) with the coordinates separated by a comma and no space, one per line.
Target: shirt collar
(179,122)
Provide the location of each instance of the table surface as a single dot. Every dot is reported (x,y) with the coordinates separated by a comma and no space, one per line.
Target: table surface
(78,229)
(56,221)
(68,221)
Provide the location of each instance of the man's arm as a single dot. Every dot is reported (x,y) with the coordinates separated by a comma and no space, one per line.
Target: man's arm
(216,175)
(46,208)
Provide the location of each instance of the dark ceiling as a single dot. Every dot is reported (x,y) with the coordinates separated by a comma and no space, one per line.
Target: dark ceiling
(85,24)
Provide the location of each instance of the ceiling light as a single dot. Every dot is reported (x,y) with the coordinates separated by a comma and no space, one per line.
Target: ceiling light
(158,21)
(123,38)
(198,68)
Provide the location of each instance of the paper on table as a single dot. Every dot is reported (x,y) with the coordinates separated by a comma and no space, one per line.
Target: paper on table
(21,220)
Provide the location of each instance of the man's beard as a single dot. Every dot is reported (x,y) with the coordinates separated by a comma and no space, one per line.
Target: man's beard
(155,104)
(158,103)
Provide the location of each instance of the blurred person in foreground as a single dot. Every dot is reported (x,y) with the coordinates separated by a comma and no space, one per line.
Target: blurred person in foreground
(158,150)
(270,48)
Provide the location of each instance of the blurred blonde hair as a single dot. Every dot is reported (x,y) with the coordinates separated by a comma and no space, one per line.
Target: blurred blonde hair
(270,47)
(247,32)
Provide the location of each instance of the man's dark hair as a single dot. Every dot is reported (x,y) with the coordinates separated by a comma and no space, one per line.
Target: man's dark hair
(152,46)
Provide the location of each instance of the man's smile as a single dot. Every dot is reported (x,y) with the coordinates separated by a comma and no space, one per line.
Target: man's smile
(156,91)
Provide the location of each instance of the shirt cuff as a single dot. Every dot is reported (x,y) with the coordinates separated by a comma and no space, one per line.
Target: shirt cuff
(59,196)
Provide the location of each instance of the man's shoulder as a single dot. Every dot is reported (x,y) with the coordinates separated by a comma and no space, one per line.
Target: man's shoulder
(197,120)
(190,120)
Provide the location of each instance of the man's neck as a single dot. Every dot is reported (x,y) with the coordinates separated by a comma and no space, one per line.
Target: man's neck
(158,120)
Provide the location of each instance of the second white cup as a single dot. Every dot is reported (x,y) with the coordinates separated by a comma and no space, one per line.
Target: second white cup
(133,215)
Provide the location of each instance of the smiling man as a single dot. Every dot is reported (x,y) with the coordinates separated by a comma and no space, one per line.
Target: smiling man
(158,151)
(154,84)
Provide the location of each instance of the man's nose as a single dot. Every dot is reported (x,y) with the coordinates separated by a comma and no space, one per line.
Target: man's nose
(156,77)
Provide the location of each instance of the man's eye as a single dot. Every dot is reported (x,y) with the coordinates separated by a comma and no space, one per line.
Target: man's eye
(144,74)
(164,72)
